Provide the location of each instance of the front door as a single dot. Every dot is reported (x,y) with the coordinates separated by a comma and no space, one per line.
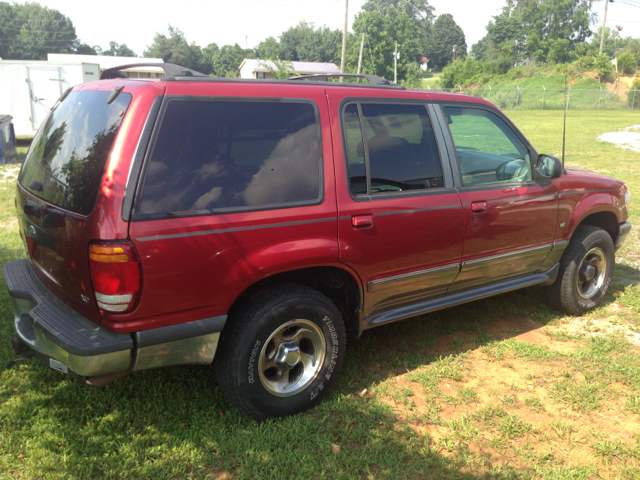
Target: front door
(509,213)
(400,219)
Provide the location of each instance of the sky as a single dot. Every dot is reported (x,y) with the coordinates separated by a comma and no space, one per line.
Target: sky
(248,22)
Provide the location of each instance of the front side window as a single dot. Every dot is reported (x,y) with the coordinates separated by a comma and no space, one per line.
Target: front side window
(399,152)
(213,155)
(488,150)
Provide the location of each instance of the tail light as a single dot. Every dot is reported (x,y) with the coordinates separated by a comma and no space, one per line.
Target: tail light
(115,273)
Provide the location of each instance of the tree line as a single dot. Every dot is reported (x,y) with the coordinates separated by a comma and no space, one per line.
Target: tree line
(30,31)
(525,32)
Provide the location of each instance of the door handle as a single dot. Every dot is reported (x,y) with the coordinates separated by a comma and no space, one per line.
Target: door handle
(479,207)
(362,221)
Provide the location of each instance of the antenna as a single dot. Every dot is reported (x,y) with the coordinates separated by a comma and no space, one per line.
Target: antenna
(564,127)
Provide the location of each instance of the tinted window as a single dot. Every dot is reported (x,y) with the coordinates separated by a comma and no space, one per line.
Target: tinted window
(213,155)
(401,148)
(488,150)
(68,155)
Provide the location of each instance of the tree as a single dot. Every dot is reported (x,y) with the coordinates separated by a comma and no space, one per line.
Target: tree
(117,50)
(269,48)
(30,31)
(383,32)
(292,39)
(321,45)
(228,60)
(420,11)
(206,61)
(280,69)
(444,35)
(175,49)
(537,29)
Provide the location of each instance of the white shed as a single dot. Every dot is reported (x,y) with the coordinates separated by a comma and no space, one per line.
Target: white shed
(253,68)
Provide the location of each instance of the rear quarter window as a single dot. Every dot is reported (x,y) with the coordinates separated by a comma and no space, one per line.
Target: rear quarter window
(211,156)
(68,155)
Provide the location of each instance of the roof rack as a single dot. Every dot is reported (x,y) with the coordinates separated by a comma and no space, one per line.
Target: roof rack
(170,69)
(373,79)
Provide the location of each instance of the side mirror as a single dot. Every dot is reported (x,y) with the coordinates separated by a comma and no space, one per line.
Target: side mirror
(509,170)
(549,166)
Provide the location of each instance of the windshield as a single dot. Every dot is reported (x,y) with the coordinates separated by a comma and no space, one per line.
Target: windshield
(68,155)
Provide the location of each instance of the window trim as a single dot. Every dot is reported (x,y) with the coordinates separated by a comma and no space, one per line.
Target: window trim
(136,216)
(447,175)
(536,180)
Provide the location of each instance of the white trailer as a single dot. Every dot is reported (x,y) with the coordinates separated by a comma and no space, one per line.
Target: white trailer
(28,89)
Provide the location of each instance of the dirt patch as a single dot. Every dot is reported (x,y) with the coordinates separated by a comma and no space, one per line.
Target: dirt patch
(503,424)
(598,327)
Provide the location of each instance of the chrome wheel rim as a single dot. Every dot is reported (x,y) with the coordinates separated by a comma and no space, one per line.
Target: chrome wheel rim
(291,358)
(591,273)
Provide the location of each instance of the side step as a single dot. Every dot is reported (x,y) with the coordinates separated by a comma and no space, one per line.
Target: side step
(462,297)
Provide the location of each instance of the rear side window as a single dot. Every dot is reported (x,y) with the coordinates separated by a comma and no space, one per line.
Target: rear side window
(241,155)
(69,153)
(399,152)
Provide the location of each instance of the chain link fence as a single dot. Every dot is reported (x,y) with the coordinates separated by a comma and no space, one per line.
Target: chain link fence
(553,98)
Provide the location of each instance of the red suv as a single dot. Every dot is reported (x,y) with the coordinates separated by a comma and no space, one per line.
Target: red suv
(262,225)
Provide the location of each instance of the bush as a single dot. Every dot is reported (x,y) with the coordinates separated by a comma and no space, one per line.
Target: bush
(604,68)
(413,76)
(627,62)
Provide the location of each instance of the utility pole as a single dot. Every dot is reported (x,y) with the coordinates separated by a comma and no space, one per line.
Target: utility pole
(344,35)
(604,25)
(246,42)
(395,64)
(360,57)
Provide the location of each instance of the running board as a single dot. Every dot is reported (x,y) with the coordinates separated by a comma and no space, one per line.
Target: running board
(461,297)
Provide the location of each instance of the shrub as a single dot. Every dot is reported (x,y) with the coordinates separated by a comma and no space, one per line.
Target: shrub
(604,68)
(413,76)
(627,62)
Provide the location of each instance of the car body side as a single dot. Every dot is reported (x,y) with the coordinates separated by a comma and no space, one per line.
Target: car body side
(197,267)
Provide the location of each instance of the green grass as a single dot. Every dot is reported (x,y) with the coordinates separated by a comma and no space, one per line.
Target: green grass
(449,395)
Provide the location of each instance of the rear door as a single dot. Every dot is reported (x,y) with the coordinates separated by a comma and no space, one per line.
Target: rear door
(58,188)
(509,214)
(400,219)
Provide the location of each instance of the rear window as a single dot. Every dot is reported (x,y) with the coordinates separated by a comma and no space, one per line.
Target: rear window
(69,153)
(212,156)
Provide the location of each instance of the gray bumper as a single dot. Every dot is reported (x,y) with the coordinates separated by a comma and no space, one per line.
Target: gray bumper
(72,342)
(623,230)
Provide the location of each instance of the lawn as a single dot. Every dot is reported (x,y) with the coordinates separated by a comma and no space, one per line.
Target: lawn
(501,388)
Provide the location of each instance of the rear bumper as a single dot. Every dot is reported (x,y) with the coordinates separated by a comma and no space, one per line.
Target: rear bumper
(67,341)
(623,230)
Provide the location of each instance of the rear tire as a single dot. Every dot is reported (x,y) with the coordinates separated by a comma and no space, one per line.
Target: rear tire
(585,272)
(280,353)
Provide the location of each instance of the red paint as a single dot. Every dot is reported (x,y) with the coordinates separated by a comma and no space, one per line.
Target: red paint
(191,277)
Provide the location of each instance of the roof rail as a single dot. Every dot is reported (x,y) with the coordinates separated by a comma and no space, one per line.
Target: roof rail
(170,69)
(373,79)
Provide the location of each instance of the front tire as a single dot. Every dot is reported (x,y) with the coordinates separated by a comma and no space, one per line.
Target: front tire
(585,271)
(281,352)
